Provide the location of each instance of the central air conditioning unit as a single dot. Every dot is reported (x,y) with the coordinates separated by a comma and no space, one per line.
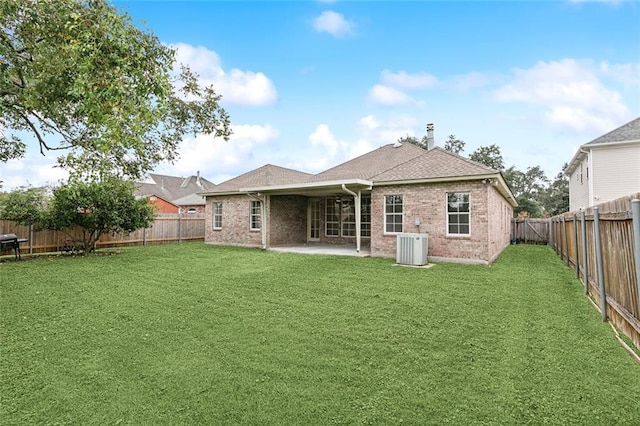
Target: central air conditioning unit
(412,249)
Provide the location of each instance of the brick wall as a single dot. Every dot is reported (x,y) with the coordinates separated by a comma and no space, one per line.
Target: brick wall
(428,203)
(500,214)
(235,222)
(288,220)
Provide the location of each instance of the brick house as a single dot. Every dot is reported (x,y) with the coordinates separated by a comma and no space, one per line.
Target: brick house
(464,207)
(173,194)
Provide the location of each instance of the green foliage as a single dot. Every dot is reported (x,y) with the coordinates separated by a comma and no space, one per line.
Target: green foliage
(197,334)
(97,208)
(454,145)
(422,143)
(556,197)
(25,205)
(81,74)
(489,156)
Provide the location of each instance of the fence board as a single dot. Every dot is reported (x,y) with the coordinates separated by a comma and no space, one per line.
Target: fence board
(618,253)
(165,228)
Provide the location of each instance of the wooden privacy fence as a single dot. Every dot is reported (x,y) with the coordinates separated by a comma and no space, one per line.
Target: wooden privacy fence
(602,244)
(166,228)
(530,231)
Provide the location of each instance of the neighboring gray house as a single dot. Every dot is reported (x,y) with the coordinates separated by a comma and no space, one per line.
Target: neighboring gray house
(172,194)
(606,168)
(364,203)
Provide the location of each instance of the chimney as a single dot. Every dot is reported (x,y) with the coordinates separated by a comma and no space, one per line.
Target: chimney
(431,143)
(198,179)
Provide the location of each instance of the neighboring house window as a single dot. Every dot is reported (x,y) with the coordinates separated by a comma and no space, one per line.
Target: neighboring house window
(255,215)
(458,213)
(365,216)
(192,210)
(217,215)
(393,213)
(332,217)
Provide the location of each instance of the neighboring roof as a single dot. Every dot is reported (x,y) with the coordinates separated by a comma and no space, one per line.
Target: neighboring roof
(263,176)
(176,190)
(627,133)
(372,163)
(432,164)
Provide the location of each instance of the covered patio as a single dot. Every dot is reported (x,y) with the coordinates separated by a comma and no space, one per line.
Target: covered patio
(326,249)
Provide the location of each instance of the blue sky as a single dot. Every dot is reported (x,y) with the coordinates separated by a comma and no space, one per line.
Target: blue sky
(309,85)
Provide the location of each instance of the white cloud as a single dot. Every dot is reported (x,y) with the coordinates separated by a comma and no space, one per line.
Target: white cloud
(627,74)
(404,80)
(391,96)
(570,94)
(333,23)
(237,87)
(377,132)
(214,157)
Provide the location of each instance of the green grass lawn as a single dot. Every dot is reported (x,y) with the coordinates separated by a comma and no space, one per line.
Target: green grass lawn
(196,334)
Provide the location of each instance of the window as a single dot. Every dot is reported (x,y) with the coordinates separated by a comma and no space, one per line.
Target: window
(340,217)
(217,215)
(393,213)
(192,210)
(365,216)
(458,213)
(332,217)
(255,215)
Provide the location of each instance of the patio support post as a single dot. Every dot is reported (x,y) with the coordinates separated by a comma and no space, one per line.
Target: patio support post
(585,267)
(635,211)
(596,232)
(263,221)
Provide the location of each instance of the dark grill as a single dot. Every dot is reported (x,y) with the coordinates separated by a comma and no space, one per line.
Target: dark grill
(10,241)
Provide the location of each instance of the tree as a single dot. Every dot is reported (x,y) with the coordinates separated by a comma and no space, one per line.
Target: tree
(81,78)
(454,145)
(25,205)
(98,207)
(414,140)
(489,156)
(556,199)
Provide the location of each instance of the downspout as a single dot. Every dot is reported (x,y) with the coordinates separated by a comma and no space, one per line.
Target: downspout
(263,215)
(357,198)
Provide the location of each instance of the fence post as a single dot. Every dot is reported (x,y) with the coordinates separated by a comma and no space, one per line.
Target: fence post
(565,240)
(551,240)
(31,238)
(585,267)
(524,225)
(596,234)
(179,227)
(575,241)
(635,210)
(144,237)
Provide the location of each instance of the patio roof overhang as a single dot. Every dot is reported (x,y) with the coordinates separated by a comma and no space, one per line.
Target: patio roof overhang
(312,189)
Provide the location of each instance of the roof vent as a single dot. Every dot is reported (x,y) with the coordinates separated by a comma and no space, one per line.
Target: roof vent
(397,144)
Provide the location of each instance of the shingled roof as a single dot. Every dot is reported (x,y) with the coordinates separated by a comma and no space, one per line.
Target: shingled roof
(372,163)
(176,190)
(625,133)
(433,164)
(262,176)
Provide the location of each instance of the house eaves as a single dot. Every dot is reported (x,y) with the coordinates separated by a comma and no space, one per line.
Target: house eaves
(311,188)
(586,148)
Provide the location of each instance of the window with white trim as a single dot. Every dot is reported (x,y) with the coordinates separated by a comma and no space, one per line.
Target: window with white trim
(217,215)
(458,213)
(393,213)
(365,216)
(340,217)
(255,215)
